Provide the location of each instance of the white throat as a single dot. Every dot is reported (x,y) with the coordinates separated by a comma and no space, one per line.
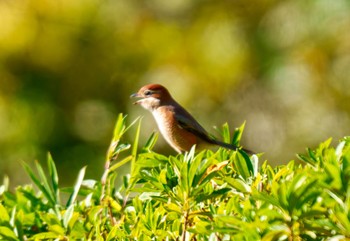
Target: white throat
(150,103)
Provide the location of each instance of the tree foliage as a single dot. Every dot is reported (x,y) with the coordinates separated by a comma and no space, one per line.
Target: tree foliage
(221,195)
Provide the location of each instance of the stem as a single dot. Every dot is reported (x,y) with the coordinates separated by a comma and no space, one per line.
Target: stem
(104,179)
(185,226)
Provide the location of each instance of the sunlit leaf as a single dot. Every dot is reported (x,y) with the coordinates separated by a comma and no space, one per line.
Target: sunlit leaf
(237,135)
(42,187)
(242,164)
(77,186)
(68,214)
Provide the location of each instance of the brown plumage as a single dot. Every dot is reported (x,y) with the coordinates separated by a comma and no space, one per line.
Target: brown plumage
(177,126)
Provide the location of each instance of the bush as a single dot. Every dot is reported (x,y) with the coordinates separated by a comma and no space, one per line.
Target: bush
(220,195)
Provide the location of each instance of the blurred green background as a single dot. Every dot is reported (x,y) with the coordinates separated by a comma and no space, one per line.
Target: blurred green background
(67,68)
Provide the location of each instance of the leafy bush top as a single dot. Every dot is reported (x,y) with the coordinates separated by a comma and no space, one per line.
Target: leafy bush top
(222,195)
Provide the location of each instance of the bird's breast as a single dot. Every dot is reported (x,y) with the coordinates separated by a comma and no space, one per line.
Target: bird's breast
(177,137)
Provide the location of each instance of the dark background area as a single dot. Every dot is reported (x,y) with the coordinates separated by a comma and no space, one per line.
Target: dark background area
(67,68)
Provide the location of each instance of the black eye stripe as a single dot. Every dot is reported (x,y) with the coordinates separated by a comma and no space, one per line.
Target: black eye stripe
(148,92)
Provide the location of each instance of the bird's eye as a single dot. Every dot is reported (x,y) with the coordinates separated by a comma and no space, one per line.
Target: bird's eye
(147,92)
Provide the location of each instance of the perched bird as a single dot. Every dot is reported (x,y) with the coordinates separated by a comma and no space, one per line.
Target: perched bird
(177,126)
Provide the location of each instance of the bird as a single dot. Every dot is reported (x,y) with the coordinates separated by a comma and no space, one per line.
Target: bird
(178,127)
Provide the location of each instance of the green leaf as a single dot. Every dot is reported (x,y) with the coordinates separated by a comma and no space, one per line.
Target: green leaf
(242,164)
(54,177)
(4,216)
(134,170)
(183,176)
(119,127)
(115,232)
(151,141)
(42,187)
(202,171)
(5,186)
(120,163)
(226,133)
(276,235)
(339,149)
(50,218)
(45,183)
(8,233)
(194,167)
(301,191)
(119,130)
(26,218)
(172,207)
(136,139)
(217,193)
(267,198)
(238,184)
(237,135)
(120,148)
(45,236)
(77,186)
(68,214)
(343,220)
(57,228)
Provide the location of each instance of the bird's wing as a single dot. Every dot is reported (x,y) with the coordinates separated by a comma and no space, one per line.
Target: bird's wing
(188,123)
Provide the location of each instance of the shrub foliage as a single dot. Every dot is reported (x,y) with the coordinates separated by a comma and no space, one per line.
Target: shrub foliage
(222,195)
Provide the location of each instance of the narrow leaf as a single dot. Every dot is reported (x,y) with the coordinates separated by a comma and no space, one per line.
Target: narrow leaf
(77,186)
(121,163)
(68,214)
(45,182)
(54,176)
(237,135)
(241,165)
(151,141)
(38,183)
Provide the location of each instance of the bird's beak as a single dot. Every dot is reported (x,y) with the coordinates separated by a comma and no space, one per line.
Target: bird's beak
(136,95)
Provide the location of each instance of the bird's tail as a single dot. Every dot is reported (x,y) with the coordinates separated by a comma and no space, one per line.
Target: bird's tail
(232,147)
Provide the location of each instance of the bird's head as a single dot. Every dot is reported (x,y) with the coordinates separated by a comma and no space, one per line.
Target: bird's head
(152,96)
